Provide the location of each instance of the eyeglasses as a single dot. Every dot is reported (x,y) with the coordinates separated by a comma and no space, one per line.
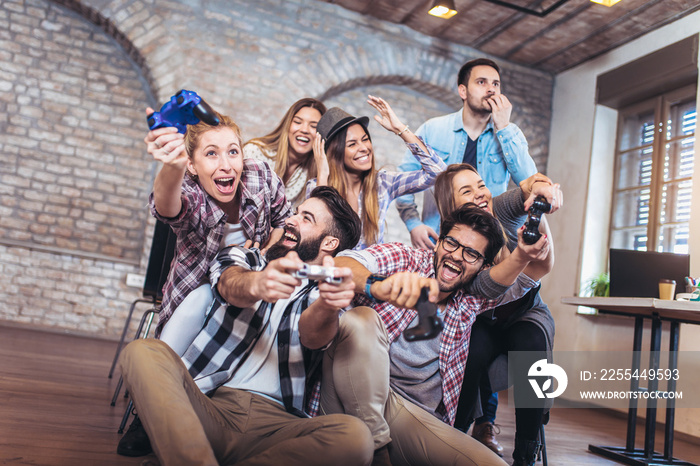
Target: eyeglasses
(470,255)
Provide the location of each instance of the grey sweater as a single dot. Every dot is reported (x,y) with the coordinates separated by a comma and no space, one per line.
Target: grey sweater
(509,209)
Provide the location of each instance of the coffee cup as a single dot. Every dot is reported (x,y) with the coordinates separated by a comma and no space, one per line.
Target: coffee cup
(667,289)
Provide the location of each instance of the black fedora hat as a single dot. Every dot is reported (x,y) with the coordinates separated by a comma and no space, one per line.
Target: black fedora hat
(336,119)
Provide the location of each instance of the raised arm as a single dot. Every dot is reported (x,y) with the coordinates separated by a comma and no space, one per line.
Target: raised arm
(430,163)
(421,233)
(419,180)
(507,271)
(539,268)
(510,208)
(540,185)
(321,160)
(389,121)
(167,146)
(406,204)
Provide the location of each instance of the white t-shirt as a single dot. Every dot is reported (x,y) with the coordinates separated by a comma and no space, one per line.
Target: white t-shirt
(260,373)
(233,235)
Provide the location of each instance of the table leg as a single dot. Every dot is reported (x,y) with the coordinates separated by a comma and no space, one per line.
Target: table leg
(655,347)
(671,387)
(634,384)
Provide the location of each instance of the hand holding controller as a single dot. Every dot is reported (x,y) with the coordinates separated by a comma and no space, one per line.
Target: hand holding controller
(429,325)
(318,273)
(184,108)
(534,216)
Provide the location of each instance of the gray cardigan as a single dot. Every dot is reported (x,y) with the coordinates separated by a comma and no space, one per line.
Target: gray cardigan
(509,208)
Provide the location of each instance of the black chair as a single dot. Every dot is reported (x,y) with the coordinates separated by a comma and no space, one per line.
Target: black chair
(500,364)
(542,454)
(159,260)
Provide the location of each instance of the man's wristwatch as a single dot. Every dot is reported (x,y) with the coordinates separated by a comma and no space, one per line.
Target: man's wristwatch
(368,284)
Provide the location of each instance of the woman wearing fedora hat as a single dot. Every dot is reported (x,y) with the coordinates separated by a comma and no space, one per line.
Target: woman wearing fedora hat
(350,165)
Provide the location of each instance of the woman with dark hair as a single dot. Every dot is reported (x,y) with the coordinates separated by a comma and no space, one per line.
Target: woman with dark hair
(288,149)
(524,325)
(351,166)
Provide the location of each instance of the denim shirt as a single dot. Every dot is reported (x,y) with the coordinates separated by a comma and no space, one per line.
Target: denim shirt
(499,156)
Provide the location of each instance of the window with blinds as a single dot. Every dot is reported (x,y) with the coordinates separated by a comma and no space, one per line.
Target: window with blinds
(654,169)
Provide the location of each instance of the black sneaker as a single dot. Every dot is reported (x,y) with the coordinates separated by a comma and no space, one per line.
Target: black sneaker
(135,441)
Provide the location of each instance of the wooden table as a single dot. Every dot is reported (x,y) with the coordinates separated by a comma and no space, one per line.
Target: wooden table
(656,310)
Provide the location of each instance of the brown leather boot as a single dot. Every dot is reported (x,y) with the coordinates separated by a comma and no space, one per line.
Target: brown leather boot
(486,434)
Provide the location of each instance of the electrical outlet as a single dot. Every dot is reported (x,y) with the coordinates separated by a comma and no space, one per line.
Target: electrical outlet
(135,280)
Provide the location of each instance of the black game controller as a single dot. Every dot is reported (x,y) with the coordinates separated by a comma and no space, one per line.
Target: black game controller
(532,226)
(429,324)
(184,108)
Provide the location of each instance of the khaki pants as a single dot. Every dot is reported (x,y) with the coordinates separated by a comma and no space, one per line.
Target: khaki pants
(233,426)
(356,381)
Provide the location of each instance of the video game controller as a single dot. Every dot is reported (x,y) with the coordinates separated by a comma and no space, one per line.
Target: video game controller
(429,324)
(318,273)
(534,216)
(184,108)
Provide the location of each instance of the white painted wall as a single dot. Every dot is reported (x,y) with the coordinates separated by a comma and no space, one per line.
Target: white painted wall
(581,151)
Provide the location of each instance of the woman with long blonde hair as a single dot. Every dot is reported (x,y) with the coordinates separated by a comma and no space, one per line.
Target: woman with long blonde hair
(343,141)
(288,149)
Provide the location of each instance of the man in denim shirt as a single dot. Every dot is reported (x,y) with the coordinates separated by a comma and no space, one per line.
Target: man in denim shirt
(480,134)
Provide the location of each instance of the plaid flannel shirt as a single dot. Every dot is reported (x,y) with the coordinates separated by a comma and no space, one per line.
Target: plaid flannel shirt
(230,334)
(460,312)
(200,225)
(391,185)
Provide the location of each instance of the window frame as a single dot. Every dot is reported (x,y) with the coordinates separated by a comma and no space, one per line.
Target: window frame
(661,106)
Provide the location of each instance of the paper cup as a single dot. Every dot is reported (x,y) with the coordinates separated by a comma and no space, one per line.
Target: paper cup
(667,289)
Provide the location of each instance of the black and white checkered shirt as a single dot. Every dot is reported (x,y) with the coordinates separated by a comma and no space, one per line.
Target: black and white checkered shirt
(230,334)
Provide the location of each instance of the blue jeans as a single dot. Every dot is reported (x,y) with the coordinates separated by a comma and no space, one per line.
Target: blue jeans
(489,406)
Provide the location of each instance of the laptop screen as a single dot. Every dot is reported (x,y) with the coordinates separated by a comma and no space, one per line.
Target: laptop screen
(636,274)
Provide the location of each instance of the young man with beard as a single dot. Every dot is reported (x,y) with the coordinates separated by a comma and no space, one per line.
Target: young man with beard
(480,134)
(238,393)
(407,392)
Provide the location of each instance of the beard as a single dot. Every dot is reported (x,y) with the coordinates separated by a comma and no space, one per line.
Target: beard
(276,251)
(307,250)
(461,283)
(480,107)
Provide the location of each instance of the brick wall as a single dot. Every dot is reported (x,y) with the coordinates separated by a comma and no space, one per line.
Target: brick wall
(76,75)
(73,175)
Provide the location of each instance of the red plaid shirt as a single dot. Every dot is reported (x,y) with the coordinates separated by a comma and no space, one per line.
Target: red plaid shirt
(200,225)
(459,313)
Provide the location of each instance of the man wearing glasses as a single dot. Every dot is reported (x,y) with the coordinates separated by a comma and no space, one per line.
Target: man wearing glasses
(407,392)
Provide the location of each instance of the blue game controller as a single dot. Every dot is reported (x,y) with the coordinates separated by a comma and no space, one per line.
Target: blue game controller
(184,108)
